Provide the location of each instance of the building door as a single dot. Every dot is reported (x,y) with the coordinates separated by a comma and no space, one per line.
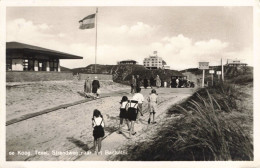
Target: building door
(42,64)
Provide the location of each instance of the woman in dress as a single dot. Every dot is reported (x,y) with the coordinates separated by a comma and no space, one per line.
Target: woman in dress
(158,81)
(87,87)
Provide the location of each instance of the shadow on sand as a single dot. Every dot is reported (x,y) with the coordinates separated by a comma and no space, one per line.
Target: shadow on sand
(79,143)
(82,94)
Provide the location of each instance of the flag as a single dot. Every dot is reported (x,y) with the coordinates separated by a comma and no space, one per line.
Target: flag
(88,22)
(155,52)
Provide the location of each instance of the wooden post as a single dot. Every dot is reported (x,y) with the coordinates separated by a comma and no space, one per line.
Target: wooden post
(222,70)
(212,79)
(203,76)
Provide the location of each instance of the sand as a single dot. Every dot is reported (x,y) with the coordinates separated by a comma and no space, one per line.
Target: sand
(24,98)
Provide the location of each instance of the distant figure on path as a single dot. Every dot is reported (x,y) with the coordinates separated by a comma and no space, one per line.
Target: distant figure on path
(87,87)
(133,84)
(177,83)
(145,82)
(153,101)
(158,81)
(138,82)
(123,114)
(151,82)
(77,76)
(95,87)
(98,132)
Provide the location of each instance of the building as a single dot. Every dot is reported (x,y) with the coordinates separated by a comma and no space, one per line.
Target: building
(24,57)
(235,63)
(154,62)
(133,62)
(166,67)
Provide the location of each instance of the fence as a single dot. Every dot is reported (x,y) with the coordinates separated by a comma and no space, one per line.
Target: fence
(99,76)
(22,76)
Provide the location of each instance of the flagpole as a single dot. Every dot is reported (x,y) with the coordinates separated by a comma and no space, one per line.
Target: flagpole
(96,43)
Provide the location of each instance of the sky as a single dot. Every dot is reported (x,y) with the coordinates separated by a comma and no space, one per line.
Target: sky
(182,36)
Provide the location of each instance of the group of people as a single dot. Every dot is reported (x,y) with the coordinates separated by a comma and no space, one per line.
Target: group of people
(129,111)
(135,82)
(92,88)
(181,83)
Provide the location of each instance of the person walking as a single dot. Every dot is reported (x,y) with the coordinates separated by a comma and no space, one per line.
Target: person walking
(145,83)
(123,114)
(158,81)
(151,82)
(138,82)
(98,130)
(133,84)
(131,108)
(177,82)
(140,98)
(87,87)
(95,87)
(153,101)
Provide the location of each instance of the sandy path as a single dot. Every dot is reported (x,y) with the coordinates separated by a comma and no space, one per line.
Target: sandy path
(116,143)
(67,130)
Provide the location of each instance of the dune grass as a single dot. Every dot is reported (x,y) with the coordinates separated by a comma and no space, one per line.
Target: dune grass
(204,131)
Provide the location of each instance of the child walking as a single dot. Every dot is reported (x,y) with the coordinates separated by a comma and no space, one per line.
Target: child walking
(123,114)
(98,132)
(153,100)
(140,98)
(132,111)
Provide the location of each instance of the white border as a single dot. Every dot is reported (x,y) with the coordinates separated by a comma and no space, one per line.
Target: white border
(79,164)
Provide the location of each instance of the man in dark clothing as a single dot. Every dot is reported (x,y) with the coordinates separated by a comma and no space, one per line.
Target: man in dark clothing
(138,82)
(95,87)
(145,83)
(152,81)
(133,84)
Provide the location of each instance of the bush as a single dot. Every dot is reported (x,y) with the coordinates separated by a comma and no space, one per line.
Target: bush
(242,79)
(225,96)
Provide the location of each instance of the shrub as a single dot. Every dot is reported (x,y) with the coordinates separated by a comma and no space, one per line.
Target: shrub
(242,79)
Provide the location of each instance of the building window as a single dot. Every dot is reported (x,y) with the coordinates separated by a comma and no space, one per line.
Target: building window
(31,65)
(28,65)
(54,65)
(25,64)
(8,64)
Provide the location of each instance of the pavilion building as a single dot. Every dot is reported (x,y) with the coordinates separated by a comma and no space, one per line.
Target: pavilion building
(24,57)
(127,62)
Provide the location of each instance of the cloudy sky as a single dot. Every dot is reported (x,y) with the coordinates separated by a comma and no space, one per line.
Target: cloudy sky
(183,36)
